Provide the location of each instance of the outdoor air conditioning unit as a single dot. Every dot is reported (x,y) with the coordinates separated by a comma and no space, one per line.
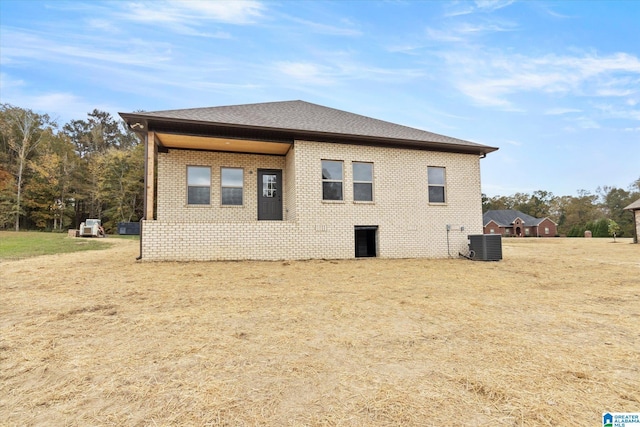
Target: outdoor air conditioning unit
(485,247)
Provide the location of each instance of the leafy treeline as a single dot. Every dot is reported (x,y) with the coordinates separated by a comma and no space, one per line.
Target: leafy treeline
(598,212)
(53,177)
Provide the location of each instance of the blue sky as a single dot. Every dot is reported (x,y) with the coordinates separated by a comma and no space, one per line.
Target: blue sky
(555,85)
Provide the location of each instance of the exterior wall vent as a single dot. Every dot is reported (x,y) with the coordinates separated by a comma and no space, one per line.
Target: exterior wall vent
(485,247)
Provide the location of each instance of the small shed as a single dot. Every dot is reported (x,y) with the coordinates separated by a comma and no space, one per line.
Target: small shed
(635,209)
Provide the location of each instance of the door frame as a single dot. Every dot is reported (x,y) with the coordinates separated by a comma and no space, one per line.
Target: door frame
(279,195)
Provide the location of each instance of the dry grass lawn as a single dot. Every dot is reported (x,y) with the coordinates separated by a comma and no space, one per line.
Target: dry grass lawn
(548,336)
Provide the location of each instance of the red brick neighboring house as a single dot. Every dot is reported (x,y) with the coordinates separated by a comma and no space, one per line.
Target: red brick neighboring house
(635,209)
(512,223)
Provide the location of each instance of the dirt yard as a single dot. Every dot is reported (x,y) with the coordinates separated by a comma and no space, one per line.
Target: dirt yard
(548,336)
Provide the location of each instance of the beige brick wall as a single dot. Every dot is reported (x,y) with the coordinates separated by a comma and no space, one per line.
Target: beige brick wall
(172,185)
(408,225)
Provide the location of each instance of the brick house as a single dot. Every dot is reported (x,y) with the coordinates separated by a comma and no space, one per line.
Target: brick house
(295,180)
(635,210)
(509,222)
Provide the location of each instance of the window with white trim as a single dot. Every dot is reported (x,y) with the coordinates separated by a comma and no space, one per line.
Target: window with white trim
(232,183)
(436,182)
(198,185)
(332,179)
(362,182)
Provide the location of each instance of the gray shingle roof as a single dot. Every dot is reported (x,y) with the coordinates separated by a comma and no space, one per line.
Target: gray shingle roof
(505,218)
(633,206)
(307,117)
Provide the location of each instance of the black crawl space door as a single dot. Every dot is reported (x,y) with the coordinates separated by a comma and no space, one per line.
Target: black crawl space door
(366,240)
(269,194)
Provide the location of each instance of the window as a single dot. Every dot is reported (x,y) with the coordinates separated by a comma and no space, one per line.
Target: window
(232,183)
(269,185)
(435,177)
(362,182)
(331,180)
(198,185)
(546,230)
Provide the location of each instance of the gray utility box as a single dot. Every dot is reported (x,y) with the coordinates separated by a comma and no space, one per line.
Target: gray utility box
(128,228)
(485,247)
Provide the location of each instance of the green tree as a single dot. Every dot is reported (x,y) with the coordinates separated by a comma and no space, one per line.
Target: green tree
(121,182)
(576,212)
(7,199)
(23,130)
(613,229)
(495,203)
(98,133)
(49,193)
(93,138)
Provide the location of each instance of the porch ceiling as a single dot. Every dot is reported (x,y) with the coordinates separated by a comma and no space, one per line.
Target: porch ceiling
(189,142)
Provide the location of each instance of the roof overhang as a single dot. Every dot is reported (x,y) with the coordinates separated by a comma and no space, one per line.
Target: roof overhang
(190,142)
(192,134)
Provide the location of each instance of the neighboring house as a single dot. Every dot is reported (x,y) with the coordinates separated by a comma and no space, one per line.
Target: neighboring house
(295,180)
(509,222)
(635,209)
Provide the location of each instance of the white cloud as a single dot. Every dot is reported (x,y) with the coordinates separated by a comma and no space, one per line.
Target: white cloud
(7,83)
(62,106)
(443,36)
(19,45)
(347,29)
(615,112)
(560,111)
(457,8)
(193,17)
(491,5)
(193,12)
(489,78)
(587,123)
(103,25)
(467,31)
(468,28)
(306,72)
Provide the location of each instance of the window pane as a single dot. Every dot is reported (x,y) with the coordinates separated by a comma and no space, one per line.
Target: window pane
(363,172)
(332,190)
(332,169)
(198,175)
(363,192)
(436,194)
(231,196)
(269,185)
(199,195)
(435,175)
(232,177)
